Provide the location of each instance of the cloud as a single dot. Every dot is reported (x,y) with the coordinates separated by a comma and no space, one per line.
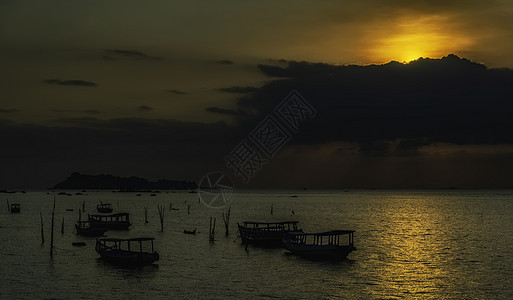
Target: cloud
(225,62)
(393,108)
(8,110)
(73,82)
(177,92)
(222,111)
(390,121)
(239,89)
(112,54)
(86,111)
(144,108)
(150,148)
(91,111)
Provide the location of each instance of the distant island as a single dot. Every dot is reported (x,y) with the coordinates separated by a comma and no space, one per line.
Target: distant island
(107,181)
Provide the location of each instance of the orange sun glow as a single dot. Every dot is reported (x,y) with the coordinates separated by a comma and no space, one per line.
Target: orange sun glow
(409,38)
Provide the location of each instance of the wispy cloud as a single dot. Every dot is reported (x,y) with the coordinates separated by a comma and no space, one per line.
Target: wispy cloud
(225,62)
(73,82)
(112,54)
(86,111)
(8,110)
(144,108)
(224,111)
(239,89)
(177,92)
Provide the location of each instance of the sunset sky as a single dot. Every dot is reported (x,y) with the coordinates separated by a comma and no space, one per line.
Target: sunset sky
(156,89)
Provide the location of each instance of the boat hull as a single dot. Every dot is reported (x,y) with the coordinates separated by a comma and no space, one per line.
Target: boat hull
(319,252)
(110,225)
(266,234)
(125,257)
(262,237)
(90,231)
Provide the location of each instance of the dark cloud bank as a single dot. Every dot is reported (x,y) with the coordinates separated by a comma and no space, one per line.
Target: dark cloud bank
(386,110)
(449,100)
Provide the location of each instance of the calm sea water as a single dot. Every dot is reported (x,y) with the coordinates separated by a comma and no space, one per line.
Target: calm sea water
(450,244)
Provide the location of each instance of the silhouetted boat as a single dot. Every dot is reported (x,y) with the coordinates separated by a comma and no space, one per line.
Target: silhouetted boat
(130,252)
(190,231)
(266,233)
(330,245)
(112,221)
(104,208)
(84,228)
(15,208)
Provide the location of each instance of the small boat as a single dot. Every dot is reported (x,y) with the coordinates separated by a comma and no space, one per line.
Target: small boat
(330,245)
(84,228)
(112,221)
(104,208)
(15,208)
(266,233)
(190,231)
(129,252)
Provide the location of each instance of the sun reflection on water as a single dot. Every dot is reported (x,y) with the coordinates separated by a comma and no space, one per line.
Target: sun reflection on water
(413,246)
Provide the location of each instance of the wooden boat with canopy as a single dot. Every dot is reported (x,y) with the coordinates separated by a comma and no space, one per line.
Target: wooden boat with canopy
(15,208)
(330,245)
(84,228)
(266,233)
(112,221)
(129,252)
(104,207)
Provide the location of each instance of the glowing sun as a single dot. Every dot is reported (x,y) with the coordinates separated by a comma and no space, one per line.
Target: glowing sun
(409,38)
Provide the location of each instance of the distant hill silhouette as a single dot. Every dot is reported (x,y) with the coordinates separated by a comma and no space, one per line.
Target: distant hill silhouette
(106,181)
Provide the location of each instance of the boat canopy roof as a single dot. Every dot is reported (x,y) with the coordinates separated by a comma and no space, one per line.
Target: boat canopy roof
(138,239)
(271,223)
(326,233)
(110,215)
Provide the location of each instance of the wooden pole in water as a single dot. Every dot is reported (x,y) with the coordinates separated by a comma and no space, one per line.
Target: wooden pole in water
(161,216)
(8,206)
(62,226)
(188,209)
(51,236)
(42,232)
(146,214)
(212,231)
(79,215)
(83,205)
(271,208)
(226,220)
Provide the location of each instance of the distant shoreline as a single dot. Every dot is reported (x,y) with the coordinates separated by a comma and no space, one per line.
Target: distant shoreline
(77,181)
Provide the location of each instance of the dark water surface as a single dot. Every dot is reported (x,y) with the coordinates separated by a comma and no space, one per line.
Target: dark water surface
(445,244)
